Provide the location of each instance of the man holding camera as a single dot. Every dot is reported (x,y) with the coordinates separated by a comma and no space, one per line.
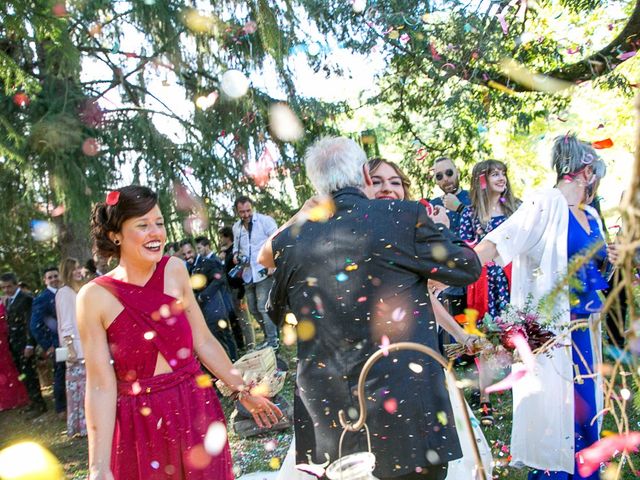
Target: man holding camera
(249,234)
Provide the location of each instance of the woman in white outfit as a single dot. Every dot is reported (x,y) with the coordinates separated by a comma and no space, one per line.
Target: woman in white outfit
(71,274)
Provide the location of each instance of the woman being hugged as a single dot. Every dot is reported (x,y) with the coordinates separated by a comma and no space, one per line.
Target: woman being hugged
(148,405)
(492,202)
(556,404)
(75,376)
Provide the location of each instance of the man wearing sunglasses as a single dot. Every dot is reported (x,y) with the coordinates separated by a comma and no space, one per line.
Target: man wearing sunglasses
(454,199)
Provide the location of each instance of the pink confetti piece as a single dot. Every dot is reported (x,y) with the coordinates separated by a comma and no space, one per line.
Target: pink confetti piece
(391,405)
(522,346)
(590,458)
(626,55)
(434,53)
(503,23)
(507,382)
(384,345)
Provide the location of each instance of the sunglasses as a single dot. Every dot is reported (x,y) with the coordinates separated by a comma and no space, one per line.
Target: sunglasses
(448,172)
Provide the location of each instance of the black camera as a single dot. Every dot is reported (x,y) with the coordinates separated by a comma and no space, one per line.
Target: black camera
(236,271)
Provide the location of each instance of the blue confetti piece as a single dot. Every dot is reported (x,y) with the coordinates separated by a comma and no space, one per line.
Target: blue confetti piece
(467,27)
(342,277)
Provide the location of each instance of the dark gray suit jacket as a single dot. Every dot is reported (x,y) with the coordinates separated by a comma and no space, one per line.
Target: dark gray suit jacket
(353,281)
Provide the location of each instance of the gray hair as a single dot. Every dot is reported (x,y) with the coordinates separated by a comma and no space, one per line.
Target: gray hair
(570,155)
(333,163)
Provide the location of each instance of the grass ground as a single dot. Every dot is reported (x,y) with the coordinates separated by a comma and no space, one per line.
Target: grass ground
(259,453)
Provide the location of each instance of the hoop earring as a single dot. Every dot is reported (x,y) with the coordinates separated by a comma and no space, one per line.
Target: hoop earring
(117,242)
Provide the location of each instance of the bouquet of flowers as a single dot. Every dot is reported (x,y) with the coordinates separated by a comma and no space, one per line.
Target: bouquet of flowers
(495,334)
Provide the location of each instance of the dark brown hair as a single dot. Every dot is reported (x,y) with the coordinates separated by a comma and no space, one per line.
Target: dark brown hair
(133,201)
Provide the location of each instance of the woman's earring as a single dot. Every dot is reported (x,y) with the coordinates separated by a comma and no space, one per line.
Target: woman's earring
(117,242)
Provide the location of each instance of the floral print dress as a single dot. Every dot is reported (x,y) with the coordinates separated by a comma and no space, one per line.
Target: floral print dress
(490,294)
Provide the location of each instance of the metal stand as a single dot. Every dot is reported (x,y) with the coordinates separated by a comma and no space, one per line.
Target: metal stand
(394,347)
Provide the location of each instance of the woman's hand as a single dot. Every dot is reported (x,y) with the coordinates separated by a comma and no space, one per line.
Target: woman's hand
(613,253)
(439,215)
(264,412)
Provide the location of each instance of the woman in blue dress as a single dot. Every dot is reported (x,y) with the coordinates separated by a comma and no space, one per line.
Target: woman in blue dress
(492,202)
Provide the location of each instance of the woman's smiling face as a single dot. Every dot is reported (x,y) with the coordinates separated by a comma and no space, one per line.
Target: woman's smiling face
(387,184)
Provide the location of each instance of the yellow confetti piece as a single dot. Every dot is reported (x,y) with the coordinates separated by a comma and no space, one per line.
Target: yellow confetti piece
(531,80)
(351,268)
(198,22)
(198,281)
(145,411)
(502,88)
(306,330)
(442,418)
(291,319)
(439,253)
(204,381)
(323,211)
(29,461)
(274,463)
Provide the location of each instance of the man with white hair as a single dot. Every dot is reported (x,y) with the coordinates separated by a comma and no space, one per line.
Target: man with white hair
(356,283)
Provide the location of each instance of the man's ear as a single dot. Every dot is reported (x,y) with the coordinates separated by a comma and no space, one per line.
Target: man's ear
(367,176)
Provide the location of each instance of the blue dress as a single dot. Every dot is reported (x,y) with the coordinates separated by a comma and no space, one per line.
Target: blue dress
(473,231)
(584,301)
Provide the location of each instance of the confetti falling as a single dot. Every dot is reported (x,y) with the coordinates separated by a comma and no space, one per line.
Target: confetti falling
(29,461)
(284,124)
(43,231)
(234,84)
(204,102)
(590,458)
(306,330)
(390,405)
(90,147)
(198,281)
(602,144)
(21,99)
(216,438)
(204,381)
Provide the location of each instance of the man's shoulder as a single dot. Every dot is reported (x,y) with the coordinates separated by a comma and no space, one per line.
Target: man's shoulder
(262,217)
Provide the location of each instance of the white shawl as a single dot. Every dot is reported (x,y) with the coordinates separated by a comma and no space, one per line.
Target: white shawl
(534,238)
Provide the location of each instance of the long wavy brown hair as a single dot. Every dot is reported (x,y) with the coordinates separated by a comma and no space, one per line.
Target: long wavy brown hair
(480,196)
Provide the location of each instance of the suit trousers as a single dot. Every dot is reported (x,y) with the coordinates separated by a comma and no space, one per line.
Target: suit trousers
(59,386)
(242,317)
(29,375)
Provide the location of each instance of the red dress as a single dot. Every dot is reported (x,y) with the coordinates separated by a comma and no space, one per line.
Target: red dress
(13,394)
(162,420)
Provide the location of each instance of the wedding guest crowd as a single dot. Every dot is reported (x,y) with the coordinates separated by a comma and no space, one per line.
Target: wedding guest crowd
(379,268)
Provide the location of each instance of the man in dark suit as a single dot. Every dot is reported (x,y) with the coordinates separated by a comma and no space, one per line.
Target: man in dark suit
(21,342)
(355,283)
(44,328)
(211,290)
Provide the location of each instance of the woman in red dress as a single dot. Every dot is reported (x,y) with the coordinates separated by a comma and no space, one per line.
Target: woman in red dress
(151,412)
(13,394)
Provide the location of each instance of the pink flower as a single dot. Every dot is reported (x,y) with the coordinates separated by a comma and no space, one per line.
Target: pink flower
(112,197)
